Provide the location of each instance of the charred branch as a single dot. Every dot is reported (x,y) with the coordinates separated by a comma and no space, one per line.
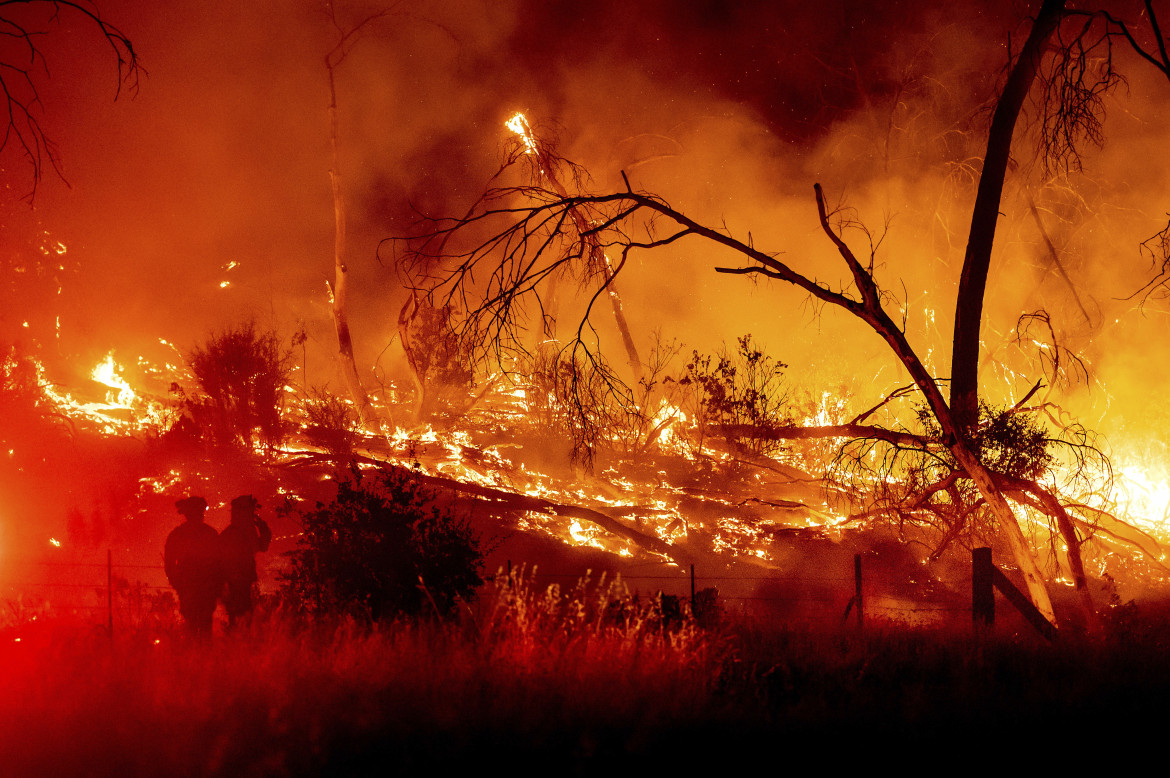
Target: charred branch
(1157,249)
(897,394)
(1153,52)
(510,503)
(501,502)
(839,431)
(1060,365)
(1074,80)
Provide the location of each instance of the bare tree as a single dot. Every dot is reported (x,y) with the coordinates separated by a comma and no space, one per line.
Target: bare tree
(538,230)
(339,289)
(1070,55)
(242,373)
(985,215)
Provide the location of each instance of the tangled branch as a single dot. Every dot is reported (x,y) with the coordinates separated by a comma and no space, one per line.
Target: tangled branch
(22,61)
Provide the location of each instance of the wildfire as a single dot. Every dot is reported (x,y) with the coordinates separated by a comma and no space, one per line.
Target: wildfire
(642,509)
(1144,483)
(106,373)
(519,125)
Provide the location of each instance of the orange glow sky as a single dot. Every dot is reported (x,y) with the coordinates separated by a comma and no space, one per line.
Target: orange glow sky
(731,111)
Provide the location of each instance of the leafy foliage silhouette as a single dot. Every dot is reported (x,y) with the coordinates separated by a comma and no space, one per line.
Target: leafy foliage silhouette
(383,547)
(242,372)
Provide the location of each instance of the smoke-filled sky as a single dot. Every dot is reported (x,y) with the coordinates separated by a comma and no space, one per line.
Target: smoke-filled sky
(729,110)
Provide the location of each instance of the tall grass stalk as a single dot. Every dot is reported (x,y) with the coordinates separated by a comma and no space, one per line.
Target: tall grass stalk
(523,670)
(588,679)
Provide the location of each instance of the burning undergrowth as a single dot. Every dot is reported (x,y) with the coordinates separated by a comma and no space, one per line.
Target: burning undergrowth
(496,390)
(704,466)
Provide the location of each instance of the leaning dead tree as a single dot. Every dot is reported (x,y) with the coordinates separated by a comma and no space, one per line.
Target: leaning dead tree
(493,262)
(1068,65)
(530,242)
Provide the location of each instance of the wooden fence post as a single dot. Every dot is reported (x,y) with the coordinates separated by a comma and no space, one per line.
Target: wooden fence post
(982,590)
(1023,605)
(857,591)
(985,579)
(856,601)
(110,589)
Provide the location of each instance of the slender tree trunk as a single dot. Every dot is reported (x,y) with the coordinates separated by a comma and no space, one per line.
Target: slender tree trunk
(619,316)
(984,216)
(340,285)
(551,304)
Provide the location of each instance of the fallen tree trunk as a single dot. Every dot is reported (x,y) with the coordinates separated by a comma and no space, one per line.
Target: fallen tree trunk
(511,502)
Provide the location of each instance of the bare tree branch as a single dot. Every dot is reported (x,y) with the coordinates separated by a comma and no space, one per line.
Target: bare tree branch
(20,100)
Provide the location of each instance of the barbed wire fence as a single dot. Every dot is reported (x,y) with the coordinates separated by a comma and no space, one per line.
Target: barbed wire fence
(109,594)
(117,595)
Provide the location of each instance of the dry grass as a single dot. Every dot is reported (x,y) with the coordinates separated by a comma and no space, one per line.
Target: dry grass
(525,672)
(587,680)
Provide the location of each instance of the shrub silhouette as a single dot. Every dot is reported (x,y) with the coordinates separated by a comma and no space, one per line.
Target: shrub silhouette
(242,373)
(382,548)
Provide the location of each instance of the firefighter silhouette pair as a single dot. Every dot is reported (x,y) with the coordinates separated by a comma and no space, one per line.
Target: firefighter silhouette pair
(205,566)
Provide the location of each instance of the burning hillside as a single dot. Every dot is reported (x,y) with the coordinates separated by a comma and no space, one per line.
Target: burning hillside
(674,488)
(627,327)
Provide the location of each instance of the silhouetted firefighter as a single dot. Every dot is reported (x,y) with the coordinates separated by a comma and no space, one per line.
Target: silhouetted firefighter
(191,558)
(239,543)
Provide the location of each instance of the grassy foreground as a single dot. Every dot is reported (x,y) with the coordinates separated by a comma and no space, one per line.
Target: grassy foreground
(591,681)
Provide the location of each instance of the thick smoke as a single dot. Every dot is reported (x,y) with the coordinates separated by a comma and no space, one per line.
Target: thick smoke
(730,111)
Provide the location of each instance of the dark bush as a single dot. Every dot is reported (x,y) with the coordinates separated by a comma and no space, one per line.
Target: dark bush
(382,548)
(741,388)
(1008,441)
(242,373)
